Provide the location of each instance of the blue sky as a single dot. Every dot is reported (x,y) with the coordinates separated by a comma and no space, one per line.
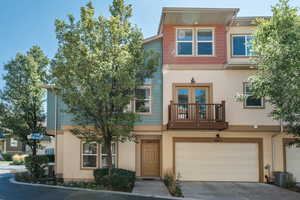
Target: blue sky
(24,23)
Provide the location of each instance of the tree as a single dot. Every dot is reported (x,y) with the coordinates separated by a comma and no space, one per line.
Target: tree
(277,48)
(22,99)
(99,64)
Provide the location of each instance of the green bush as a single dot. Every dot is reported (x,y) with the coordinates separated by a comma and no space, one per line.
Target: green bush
(7,156)
(51,158)
(36,166)
(173,184)
(23,177)
(120,179)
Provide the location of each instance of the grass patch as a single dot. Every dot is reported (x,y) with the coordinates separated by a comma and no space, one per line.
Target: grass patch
(5,163)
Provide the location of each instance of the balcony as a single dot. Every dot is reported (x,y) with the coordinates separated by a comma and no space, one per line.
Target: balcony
(197,116)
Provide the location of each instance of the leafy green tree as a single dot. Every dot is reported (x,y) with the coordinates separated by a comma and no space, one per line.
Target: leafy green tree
(22,98)
(277,48)
(99,64)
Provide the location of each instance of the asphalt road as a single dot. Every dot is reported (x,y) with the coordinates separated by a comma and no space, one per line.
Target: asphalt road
(9,191)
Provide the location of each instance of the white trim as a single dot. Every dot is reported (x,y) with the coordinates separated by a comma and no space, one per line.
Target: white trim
(192,41)
(206,41)
(232,47)
(150,100)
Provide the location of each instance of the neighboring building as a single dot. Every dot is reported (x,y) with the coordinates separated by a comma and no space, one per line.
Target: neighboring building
(10,145)
(191,124)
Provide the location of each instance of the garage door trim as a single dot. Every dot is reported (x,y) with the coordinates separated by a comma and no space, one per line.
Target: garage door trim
(258,141)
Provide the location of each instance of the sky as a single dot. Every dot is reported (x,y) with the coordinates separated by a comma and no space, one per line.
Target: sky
(24,23)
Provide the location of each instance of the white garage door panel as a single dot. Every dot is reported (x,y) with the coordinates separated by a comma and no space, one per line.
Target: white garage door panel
(293,161)
(217,161)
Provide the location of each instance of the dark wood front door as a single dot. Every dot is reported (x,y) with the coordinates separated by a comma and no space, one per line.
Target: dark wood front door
(150,158)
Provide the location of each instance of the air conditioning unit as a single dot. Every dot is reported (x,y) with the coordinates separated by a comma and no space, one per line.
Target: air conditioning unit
(281,178)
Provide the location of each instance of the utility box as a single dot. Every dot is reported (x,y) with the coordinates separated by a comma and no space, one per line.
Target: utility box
(281,178)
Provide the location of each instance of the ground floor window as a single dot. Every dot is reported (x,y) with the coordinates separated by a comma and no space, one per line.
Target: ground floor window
(104,155)
(89,154)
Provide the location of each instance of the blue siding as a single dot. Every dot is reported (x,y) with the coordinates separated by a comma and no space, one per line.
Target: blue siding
(155,118)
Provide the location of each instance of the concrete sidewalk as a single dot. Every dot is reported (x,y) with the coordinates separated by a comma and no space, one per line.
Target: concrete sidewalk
(151,187)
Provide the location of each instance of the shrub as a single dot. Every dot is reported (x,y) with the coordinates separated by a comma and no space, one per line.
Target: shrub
(18,159)
(7,156)
(23,177)
(173,184)
(290,181)
(36,166)
(120,179)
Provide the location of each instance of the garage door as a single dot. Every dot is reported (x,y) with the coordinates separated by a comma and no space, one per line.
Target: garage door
(201,161)
(293,161)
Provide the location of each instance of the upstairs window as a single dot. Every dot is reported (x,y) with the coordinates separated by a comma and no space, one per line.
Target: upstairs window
(205,42)
(242,45)
(251,101)
(184,42)
(142,102)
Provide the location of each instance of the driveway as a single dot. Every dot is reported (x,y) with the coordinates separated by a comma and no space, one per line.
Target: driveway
(236,191)
(9,191)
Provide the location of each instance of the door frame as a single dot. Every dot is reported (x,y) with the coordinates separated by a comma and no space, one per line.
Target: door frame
(191,85)
(141,155)
(258,141)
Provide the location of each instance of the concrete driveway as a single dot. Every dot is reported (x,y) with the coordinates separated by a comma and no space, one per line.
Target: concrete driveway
(236,191)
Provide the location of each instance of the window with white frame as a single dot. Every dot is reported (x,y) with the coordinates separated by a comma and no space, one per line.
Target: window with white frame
(184,41)
(205,42)
(142,103)
(89,154)
(104,155)
(250,100)
(242,45)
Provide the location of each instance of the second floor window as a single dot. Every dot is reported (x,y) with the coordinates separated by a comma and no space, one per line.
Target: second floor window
(184,42)
(142,102)
(242,45)
(205,42)
(251,101)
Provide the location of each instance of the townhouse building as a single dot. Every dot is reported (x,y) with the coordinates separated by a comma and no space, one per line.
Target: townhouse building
(191,124)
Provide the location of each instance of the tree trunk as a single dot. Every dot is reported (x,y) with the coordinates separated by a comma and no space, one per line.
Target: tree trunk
(107,144)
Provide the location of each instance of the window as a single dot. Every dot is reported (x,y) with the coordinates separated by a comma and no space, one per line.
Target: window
(205,42)
(89,154)
(13,142)
(104,155)
(184,41)
(250,100)
(242,45)
(142,102)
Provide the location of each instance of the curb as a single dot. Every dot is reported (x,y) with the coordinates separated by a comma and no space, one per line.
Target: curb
(13,181)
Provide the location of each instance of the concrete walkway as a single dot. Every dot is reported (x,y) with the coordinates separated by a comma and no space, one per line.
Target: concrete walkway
(151,187)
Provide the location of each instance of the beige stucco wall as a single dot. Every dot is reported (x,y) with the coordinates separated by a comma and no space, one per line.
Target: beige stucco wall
(167,139)
(59,154)
(226,84)
(237,30)
(69,157)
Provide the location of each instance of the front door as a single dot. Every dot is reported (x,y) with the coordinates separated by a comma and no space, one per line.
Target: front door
(150,158)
